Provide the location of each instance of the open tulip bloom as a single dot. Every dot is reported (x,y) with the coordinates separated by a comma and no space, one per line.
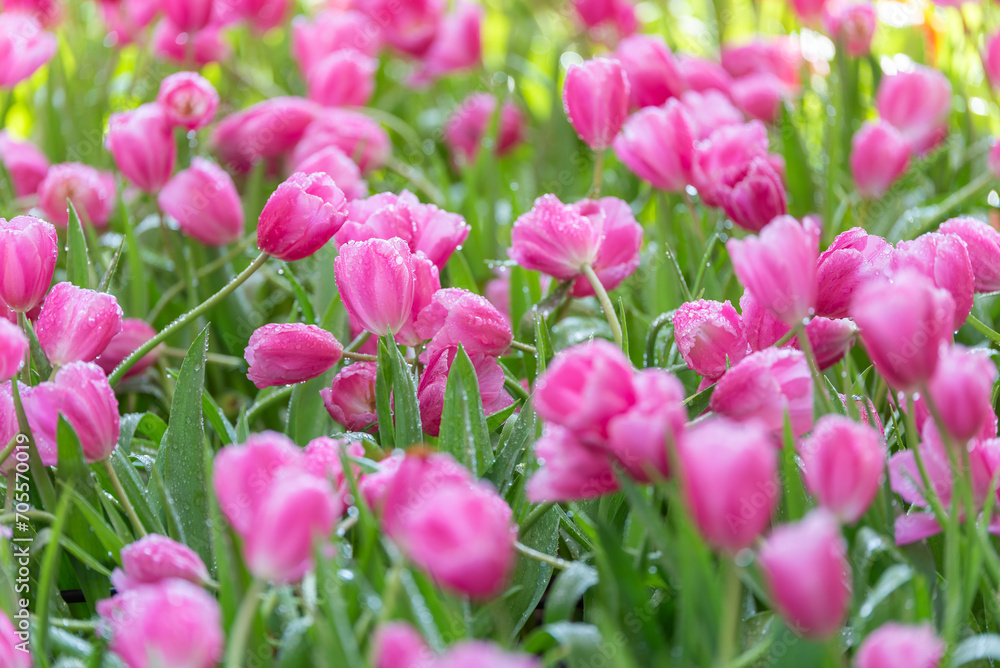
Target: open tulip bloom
(434,334)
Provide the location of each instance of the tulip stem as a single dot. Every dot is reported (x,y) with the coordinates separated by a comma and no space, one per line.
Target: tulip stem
(359,341)
(211,358)
(360,357)
(554,562)
(534,516)
(606,305)
(263,403)
(188,317)
(807,349)
(8,449)
(730,613)
(123,498)
(241,627)
(524,347)
(595,186)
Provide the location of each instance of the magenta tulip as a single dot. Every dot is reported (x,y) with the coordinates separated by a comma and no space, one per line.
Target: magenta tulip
(285,354)
(345,78)
(13,350)
(596,100)
(709,337)
(879,156)
(728,149)
(301,216)
(188,100)
(24,162)
(434,383)
(329,30)
(555,239)
(264,131)
(155,558)
(991,59)
(457,46)
(607,19)
(657,144)
(761,329)
(569,470)
(92,192)
(945,260)
(916,102)
(640,438)
(895,645)
(753,194)
(360,137)
(323,460)
(485,655)
(188,15)
(702,74)
(24,47)
(205,46)
(335,164)
(142,145)
(708,111)
(457,316)
(88,403)
(350,400)
(14,650)
(779,56)
(468,125)
(653,74)
(962,390)
(408,27)
(853,258)
(760,95)
(851,24)
(135,333)
(398,645)
(77,324)
(983,245)
(618,255)
(204,202)
(265,14)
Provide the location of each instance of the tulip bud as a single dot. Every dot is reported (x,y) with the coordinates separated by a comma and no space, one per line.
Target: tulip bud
(285,354)
(805,565)
(917,103)
(761,329)
(962,390)
(142,144)
(753,195)
(657,144)
(264,131)
(410,27)
(851,24)
(485,655)
(25,164)
(618,255)
(345,78)
(702,74)
(457,316)
(555,239)
(983,245)
(360,138)
(434,383)
(188,15)
(853,258)
(808,11)
(844,465)
(77,324)
(204,202)
(155,558)
(730,481)
(88,403)
(568,469)
(457,45)
(830,340)
(944,259)
(398,645)
(264,14)
(335,164)
(708,111)
(350,399)
(134,334)
(41,407)
(779,267)
(188,100)
(991,60)
(91,191)
(601,16)
(895,645)
(173,620)
(709,337)
(468,125)
(125,21)
(323,460)
(202,47)
(766,385)
(596,100)
(780,56)
(24,47)
(301,216)
(760,95)
(12,652)
(330,30)
(879,156)
(903,322)
(652,73)
(13,350)
(728,149)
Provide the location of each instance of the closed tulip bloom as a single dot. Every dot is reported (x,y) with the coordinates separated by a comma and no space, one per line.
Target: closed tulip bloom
(301,216)
(265,14)
(188,15)
(991,60)
(764,387)
(285,354)
(982,242)
(350,400)
(41,407)
(895,645)
(329,30)
(602,17)
(779,267)
(172,623)
(24,162)
(917,103)
(709,337)
(398,645)
(456,47)
(753,195)
(618,255)
(806,568)
(657,144)
(568,469)
(155,558)
(852,259)
(323,460)
(47,12)
(335,164)
(485,655)
(780,56)
(202,47)
(9,427)
(760,95)
(142,144)
(708,111)
(345,78)
(761,329)
(24,47)
(728,149)
(13,349)
(851,24)
(360,137)
(962,390)
(844,465)
(555,239)
(466,128)
(410,27)
(135,332)
(88,403)
(77,324)
(28,251)
(204,202)
(830,339)
(653,75)
(879,156)
(457,316)
(434,384)
(92,192)
(10,654)
(944,259)
(263,131)
(188,100)
(903,322)
(125,20)
(639,438)
(702,74)
(808,11)
(596,100)
(730,481)
(585,387)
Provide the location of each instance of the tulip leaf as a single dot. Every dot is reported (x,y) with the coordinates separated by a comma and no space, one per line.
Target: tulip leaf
(567,590)
(801,185)
(181,459)
(307,417)
(985,647)
(406,407)
(583,644)
(463,424)
(515,439)
(383,398)
(138,286)
(77,259)
(531,578)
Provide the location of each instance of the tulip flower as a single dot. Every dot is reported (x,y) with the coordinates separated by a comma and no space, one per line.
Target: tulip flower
(205,203)
(962,390)
(653,74)
(135,333)
(88,403)
(12,652)
(945,260)
(300,216)
(434,383)
(808,11)
(361,138)
(708,111)
(596,100)
(618,254)
(830,340)
(760,95)
(285,354)
(730,482)
(77,324)
(468,125)
(92,192)
(709,337)
(24,47)
(805,566)
(916,102)
(457,46)
(555,239)
(457,316)
(852,24)
(657,144)
(728,149)
(24,162)
(487,655)
(335,164)
(640,437)
(398,645)
(329,30)
(753,195)
(188,15)
(760,328)
(264,14)
(409,28)
(895,645)
(853,258)
(616,16)
(13,350)
(879,156)
(569,470)
(350,399)
(345,78)
(779,56)
(155,558)
(991,60)
(982,242)
(46,12)
(702,74)
(126,20)
(203,47)
(264,131)
(142,145)
(188,100)
(322,459)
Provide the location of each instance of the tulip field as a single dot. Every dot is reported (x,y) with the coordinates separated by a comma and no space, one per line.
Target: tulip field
(499,334)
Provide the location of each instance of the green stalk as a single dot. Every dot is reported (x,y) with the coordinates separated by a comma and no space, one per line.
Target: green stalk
(730,613)
(241,627)
(606,305)
(123,498)
(595,186)
(807,349)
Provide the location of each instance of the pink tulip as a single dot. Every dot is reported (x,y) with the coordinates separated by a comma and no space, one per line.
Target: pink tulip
(335,164)
(205,203)
(171,623)
(434,383)
(618,255)
(188,15)
(596,100)
(830,339)
(330,30)
(92,192)
(944,259)
(188,100)
(730,481)
(808,11)
(457,316)
(398,645)
(879,156)
(468,125)
(408,27)
(853,258)
(569,470)
(361,138)
(9,427)
(753,195)
(264,131)
(47,12)
(484,655)
(201,47)
(77,324)
(135,333)
(603,16)
(764,387)
(155,558)
(13,350)
(457,45)
(983,245)
(779,267)
(125,20)
(991,60)
(917,103)
(142,145)
(903,322)
(702,74)
(962,390)
(844,466)
(585,388)
(28,251)
(806,568)
(345,78)
(895,645)
(708,111)
(728,149)
(285,354)
(709,337)
(653,75)
(24,47)
(555,239)
(323,460)
(350,400)
(265,14)
(779,56)
(761,329)
(760,95)
(88,403)
(657,144)
(301,216)
(25,164)
(852,24)
(41,407)
(14,650)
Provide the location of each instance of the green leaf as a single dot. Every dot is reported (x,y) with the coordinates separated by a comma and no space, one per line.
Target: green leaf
(139,294)
(892,579)
(517,436)
(984,647)
(109,275)
(463,424)
(801,185)
(531,578)
(581,643)
(383,398)
(307,417)
(78,260)
(406,408)
(567,590)
(218,420)
(295,648)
